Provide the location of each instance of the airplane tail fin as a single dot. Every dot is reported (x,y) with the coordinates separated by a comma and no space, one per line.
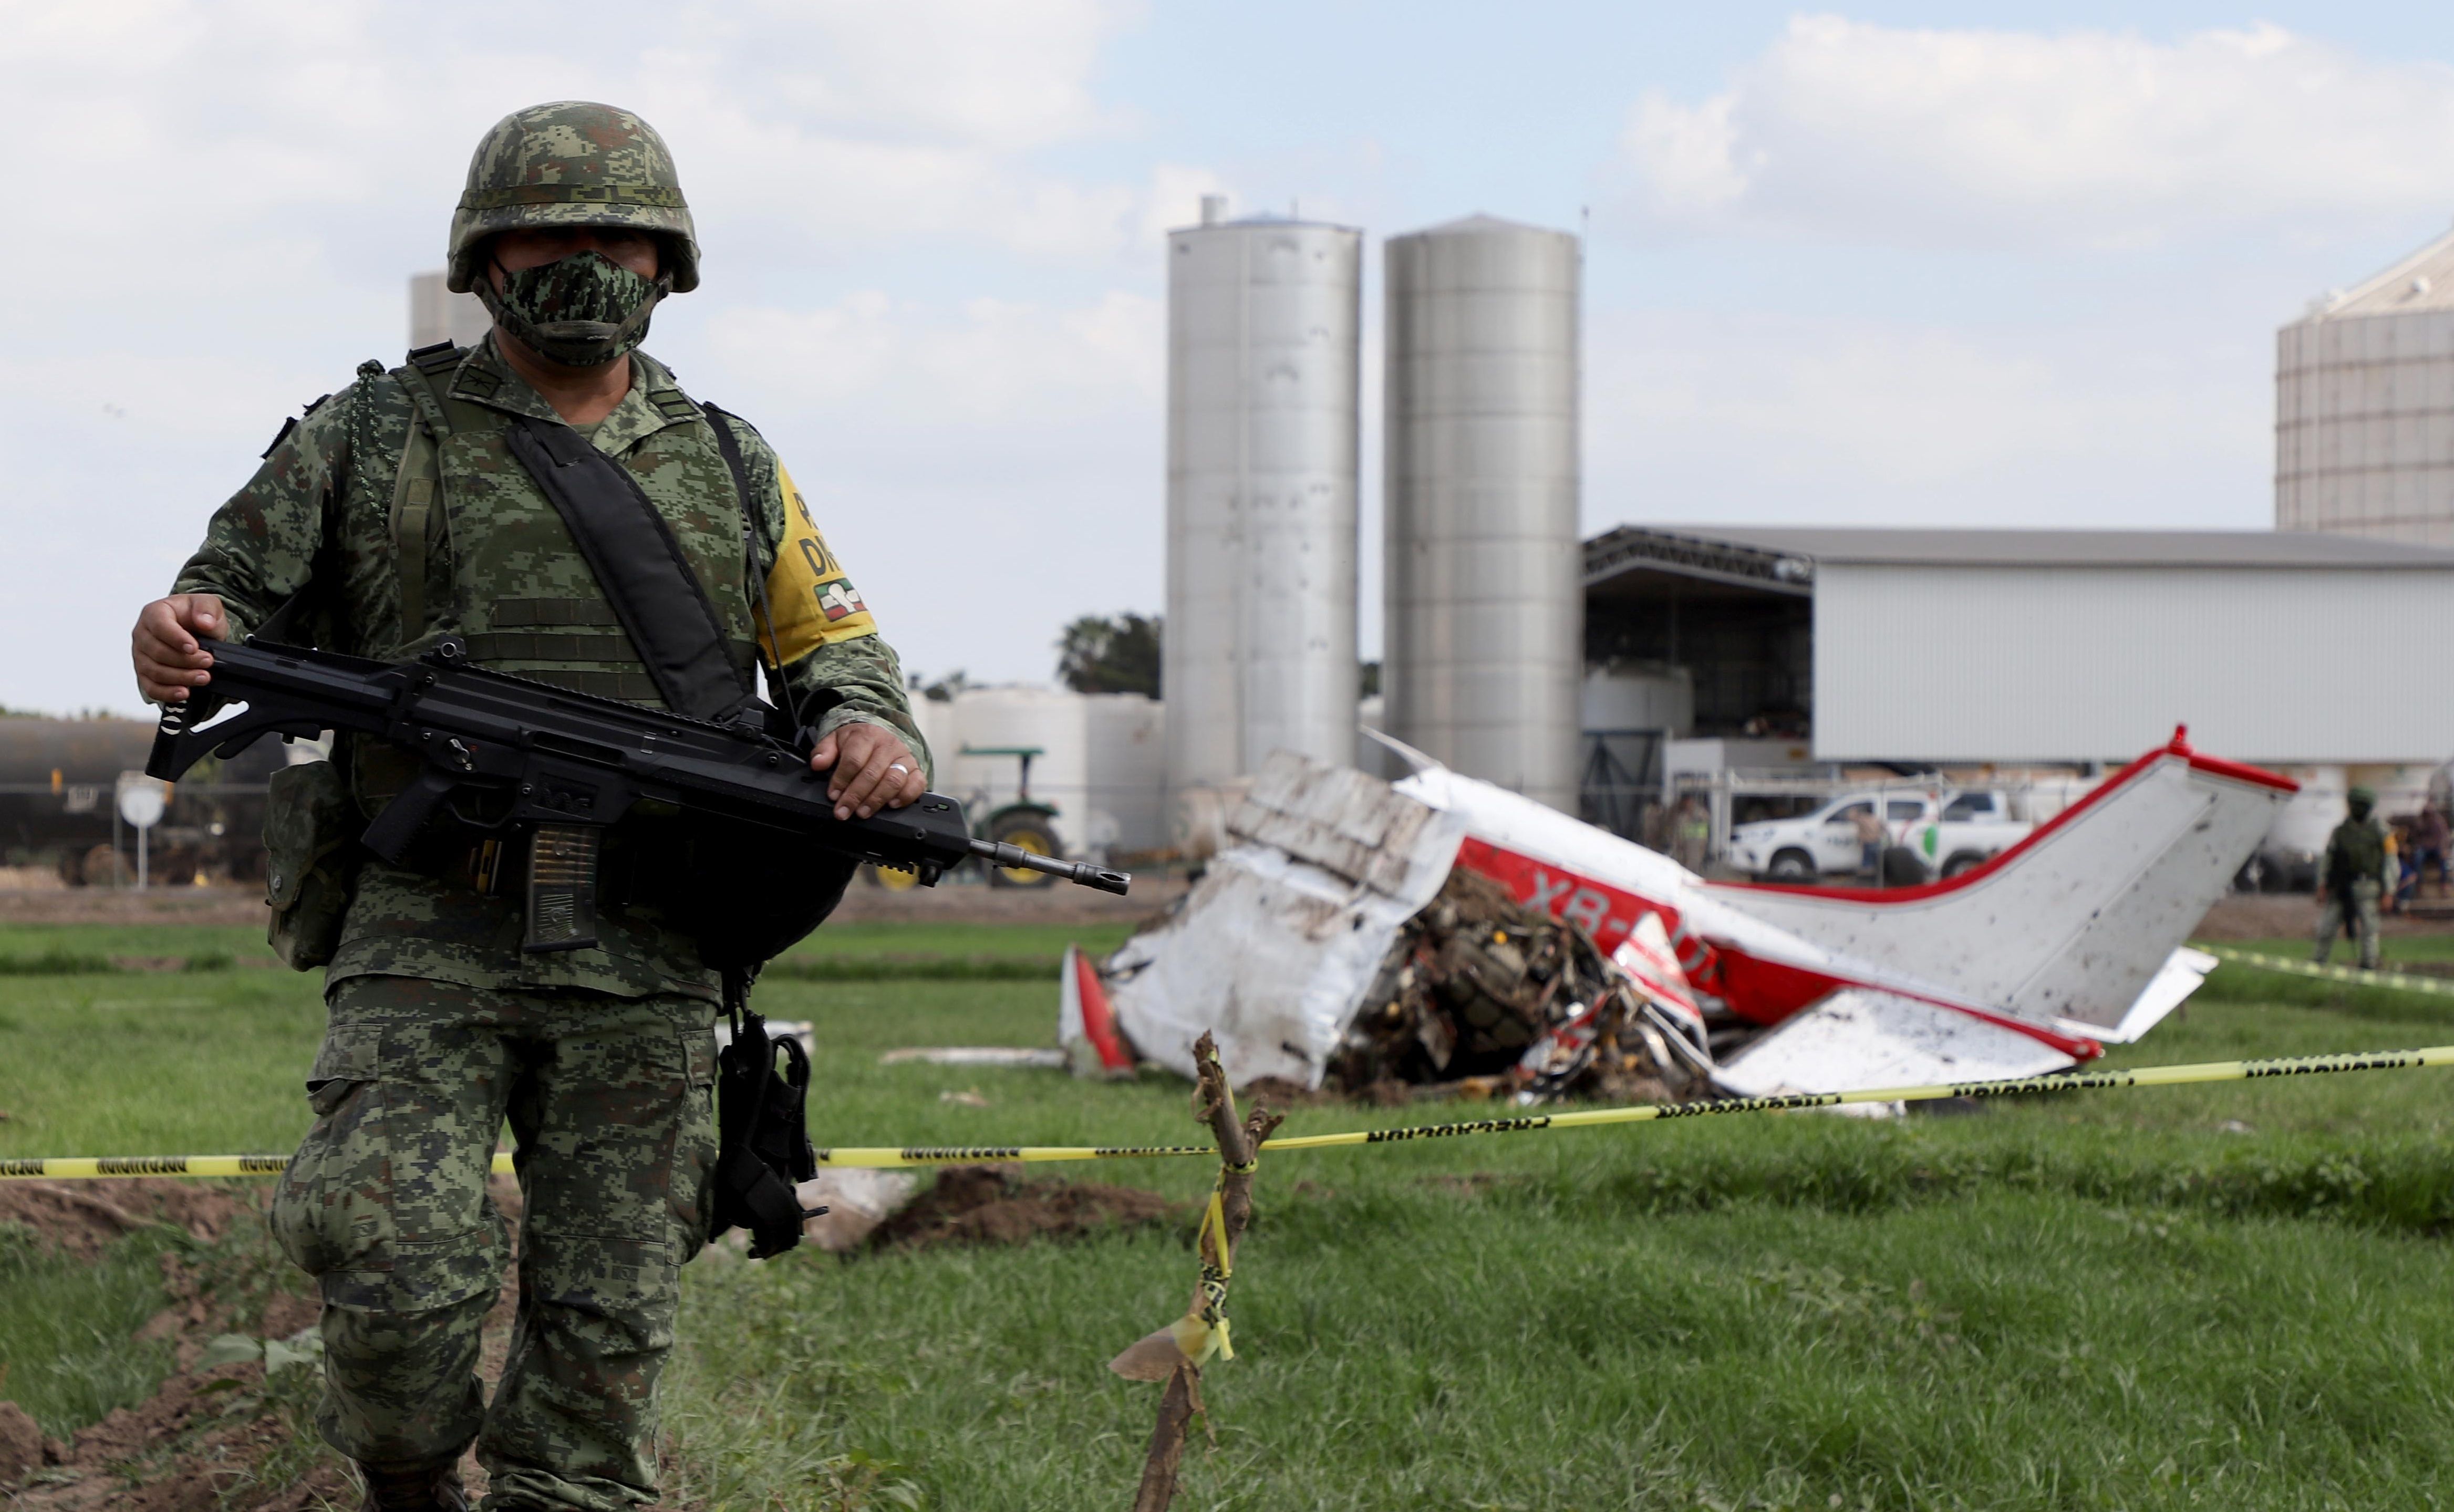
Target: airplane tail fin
(2076,924)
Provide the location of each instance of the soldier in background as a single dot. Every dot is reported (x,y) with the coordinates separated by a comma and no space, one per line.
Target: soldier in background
(2353,878)
(398,510)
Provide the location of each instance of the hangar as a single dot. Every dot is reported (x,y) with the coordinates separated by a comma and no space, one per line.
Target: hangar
(2029,646)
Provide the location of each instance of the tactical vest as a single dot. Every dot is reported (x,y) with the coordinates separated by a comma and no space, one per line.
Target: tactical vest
(482,554)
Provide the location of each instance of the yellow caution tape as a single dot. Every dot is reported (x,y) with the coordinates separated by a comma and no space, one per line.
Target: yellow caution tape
(2350,976)
(1584,1119)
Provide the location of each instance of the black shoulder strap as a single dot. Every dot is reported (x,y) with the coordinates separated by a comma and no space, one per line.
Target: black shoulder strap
(639,563)
(754,560)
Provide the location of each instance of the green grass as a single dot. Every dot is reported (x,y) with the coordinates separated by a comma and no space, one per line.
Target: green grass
(65,1327)
(156,1063)
(2221,1297)
(102,942)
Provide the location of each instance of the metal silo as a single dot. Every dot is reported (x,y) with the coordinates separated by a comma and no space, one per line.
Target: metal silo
(2364,407)
(1484,588)
(1262,358)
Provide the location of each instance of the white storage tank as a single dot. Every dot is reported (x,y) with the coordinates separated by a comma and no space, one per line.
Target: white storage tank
(436,313)
(1020,716)
(2364,407)
(1125,739)
(1484,577)
(1261,448)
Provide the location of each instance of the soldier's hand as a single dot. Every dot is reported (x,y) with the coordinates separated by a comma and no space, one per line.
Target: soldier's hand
(165,645)
(873,768)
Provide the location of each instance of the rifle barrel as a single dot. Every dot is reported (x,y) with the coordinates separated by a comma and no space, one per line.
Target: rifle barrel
(1080,873)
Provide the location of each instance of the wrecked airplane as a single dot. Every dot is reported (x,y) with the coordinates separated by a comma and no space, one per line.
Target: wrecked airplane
(1441,930)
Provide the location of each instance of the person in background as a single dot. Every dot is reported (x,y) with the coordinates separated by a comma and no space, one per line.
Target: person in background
(2430,835)
(2351,878)
(1870,840)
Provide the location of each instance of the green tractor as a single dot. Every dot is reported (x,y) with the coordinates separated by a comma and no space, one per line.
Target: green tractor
(1025,823)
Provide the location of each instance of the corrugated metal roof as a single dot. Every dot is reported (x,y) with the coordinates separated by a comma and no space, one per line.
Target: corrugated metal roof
(1777,553)
(2424,280)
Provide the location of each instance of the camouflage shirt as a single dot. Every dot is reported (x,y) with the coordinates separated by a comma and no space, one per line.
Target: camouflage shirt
(384,484)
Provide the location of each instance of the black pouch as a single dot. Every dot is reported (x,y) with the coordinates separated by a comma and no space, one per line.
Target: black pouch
(310,827)
(763,1141)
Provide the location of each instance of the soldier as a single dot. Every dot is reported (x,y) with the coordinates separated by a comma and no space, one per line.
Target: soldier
(399,511)
(2351,879)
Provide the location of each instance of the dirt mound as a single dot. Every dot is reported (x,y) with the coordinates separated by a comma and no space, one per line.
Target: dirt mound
(993,1204)
(83,1217)
(213,1438)
(196,1446)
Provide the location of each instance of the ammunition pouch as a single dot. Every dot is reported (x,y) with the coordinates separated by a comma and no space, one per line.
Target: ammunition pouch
(762,1134)
(310,827)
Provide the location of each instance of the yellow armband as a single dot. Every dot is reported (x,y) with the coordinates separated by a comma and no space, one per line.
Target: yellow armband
(815,602)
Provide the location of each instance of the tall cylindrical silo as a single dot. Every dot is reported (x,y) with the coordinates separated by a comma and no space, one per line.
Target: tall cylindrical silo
(1485,590)
(2364,407)
(1264,319)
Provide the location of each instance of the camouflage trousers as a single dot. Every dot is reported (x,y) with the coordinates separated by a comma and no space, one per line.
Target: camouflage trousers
(385,1203)
(2364,915)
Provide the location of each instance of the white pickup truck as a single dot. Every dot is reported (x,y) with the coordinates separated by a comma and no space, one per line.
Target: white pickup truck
(1951,833)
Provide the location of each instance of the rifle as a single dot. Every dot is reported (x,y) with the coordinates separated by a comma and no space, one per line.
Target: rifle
(511,756)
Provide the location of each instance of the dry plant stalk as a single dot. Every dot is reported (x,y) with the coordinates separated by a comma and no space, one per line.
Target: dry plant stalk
(1213,1102)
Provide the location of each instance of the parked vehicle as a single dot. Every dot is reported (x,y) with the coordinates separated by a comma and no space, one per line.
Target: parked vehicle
(1946,834)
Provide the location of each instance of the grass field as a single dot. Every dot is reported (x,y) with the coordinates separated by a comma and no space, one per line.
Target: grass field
(2221,1297)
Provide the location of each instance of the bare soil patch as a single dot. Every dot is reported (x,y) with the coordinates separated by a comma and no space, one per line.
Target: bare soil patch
(202,1443)
(2294,916)
(82,1217)
(218,1438)
(155,905)
(993,1204)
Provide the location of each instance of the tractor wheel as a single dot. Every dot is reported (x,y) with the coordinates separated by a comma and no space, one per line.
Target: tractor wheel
(893,878)
(1028,832)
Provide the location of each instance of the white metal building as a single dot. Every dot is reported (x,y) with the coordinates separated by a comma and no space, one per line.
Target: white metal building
(2364,406)
(2037,646)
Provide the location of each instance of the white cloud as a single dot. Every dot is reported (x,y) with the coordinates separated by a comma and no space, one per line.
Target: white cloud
(993,363)
(1827,420)
(1867,132)
(225,195)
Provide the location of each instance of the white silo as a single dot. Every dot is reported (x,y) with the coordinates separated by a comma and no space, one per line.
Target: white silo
(1264,319)
(436,313)
(1485,590)
(2364,407)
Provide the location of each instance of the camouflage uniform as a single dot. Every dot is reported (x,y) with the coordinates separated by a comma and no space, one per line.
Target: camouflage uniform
(2353,874)
(400,503)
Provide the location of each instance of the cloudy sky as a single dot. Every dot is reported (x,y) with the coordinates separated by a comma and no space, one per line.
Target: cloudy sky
(2006,264)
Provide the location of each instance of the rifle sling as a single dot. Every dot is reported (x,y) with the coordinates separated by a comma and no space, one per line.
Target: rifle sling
(638,564)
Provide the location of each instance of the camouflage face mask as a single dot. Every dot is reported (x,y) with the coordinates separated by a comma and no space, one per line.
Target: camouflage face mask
(582,311)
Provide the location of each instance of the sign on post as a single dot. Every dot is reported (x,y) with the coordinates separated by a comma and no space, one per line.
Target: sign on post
(143,800)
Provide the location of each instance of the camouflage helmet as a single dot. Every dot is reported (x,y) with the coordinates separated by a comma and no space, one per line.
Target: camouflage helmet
(571,163)
(2361,797)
